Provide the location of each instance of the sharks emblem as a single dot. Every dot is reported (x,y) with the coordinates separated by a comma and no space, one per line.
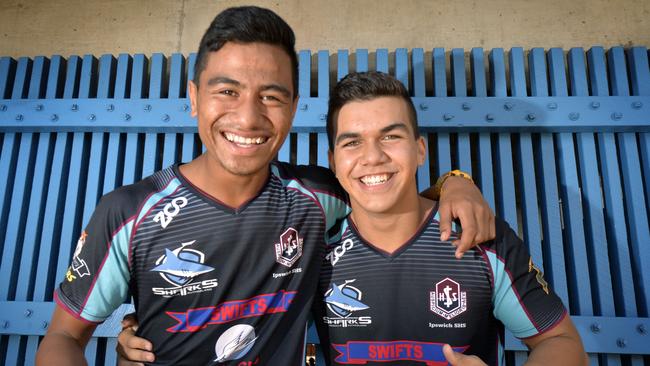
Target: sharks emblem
(181,265)
(344,299)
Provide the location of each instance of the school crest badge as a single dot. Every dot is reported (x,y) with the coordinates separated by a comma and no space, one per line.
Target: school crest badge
(447,299)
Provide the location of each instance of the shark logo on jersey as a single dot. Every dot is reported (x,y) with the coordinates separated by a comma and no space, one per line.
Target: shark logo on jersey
(179,267)
(343,300)
(180,270)
(234,343)
(289,249)
(447,300)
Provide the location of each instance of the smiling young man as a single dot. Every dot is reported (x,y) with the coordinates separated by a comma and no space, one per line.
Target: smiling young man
(390,289)
(221,255)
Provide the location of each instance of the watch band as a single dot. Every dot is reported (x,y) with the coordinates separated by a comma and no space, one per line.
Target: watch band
(437,188)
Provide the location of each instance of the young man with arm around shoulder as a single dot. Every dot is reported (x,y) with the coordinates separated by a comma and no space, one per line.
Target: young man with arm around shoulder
(390,289)
(220,254)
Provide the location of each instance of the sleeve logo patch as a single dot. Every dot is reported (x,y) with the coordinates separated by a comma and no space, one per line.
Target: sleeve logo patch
(78,266)
(539,276)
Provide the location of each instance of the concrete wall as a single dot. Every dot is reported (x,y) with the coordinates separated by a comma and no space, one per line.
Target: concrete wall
(67,27)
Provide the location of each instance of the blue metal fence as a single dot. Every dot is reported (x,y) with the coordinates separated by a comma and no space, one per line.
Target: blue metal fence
(559,143)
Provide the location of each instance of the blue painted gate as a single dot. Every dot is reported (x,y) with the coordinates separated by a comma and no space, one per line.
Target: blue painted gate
(558,142)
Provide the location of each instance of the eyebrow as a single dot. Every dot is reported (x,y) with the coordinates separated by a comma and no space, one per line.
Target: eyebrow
(222,80)
(395,126)
(226,80)
(347,135)
(391,127)
(278,88)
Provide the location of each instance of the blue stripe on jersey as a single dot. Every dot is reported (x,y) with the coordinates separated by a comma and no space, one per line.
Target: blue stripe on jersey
(336,238)
(111,286)
(291,183)
(500,354)
(333,208)
(156,197)
(507,306)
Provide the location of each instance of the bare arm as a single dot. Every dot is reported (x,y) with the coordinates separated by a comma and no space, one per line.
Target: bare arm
(559,346)
(64,341)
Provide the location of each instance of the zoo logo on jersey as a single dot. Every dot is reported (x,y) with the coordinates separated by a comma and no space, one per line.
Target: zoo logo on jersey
(165,216)
(179,267)
(289,249)
(447,300)
(338,251)
(342,301)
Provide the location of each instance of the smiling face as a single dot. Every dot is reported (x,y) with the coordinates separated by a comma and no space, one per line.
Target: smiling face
(244,105)
(376,155)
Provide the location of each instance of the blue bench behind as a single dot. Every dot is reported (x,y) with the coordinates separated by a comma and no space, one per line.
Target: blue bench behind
(557,141)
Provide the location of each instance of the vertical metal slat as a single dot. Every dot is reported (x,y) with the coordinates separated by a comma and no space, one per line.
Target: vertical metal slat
(479,87)
(419,90)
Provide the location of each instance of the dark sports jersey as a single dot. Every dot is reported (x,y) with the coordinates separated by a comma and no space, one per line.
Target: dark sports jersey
(401,308)
(211,284)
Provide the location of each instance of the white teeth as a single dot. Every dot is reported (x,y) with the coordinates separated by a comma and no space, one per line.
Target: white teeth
(244,140)
(372,180)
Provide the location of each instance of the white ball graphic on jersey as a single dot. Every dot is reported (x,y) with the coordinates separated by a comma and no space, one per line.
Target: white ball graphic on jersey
(235,342)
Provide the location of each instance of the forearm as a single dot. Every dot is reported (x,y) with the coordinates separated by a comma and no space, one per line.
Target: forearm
(558,351)
(59,349)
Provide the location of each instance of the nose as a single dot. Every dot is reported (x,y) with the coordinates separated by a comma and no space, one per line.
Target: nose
(373,153)
(248,112)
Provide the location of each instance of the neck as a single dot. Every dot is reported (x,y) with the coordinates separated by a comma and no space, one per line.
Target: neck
(389,231)
(211,178)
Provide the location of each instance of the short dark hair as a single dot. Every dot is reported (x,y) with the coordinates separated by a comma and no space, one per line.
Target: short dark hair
(365,86)
(247,24)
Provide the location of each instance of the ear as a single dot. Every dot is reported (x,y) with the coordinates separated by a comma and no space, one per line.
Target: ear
(422,150)
(193,90)
(330,158)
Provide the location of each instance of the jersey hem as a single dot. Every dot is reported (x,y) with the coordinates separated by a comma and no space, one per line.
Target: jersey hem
(552,326)
(76,315)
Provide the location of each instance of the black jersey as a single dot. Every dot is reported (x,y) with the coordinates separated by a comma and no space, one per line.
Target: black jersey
(211,284)
(401,308)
